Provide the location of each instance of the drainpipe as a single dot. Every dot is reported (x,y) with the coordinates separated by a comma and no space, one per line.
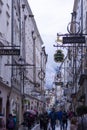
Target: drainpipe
(12,36)
(81,33)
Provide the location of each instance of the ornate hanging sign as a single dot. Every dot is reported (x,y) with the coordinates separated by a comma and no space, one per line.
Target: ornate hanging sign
(59,56)
(9,51)
(74,27)
(41,75)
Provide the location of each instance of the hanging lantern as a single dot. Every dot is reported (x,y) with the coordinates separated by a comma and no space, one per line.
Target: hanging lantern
(59,56)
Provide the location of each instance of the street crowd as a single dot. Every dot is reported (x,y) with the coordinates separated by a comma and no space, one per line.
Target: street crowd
(28,122)
(48,120)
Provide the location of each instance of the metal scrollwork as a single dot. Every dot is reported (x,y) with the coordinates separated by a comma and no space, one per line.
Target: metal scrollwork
(76,27)
(41,75)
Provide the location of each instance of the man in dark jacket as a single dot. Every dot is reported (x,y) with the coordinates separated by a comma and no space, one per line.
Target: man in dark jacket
(45,120)
(52,117)
(59,115)
(41,120)
(64,120)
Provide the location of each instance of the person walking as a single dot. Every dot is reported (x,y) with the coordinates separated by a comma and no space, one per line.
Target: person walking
(71,114)
(41,120)
(15,122)
(59,115)
(64,120)
(10,124)
(45,120)
(2,123)
(52,118)
(73,125)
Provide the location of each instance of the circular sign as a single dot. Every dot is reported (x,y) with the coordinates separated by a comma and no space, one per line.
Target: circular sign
(41,75)
(73,27)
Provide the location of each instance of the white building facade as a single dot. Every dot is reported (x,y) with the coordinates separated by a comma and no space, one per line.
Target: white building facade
(78,53)
(18,81)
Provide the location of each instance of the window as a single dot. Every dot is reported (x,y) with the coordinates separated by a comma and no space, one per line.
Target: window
(0,64)
(86,23)
(7,23)
(8,15)
(1,2)
(18,4)
(0,11)
(7,5)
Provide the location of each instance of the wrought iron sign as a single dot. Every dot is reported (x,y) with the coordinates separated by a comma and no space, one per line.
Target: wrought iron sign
(41,75)
(59,83)
(59,56)
(9,51)
(74,39)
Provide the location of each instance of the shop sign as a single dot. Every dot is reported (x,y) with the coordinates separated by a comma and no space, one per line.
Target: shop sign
(74,39)
(9,51)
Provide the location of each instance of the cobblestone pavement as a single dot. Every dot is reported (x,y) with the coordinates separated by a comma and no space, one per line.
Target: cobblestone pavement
(57,127)
(68,128)
(37,127)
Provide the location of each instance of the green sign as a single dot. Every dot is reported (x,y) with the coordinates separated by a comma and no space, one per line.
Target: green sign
(9,51)
(59,56)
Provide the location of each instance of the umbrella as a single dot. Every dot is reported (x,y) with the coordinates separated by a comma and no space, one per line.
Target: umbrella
(35,110)
(32,112)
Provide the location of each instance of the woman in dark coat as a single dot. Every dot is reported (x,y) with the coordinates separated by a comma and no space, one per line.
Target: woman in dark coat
(45,120)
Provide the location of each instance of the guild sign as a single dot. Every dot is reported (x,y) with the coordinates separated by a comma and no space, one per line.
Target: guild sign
(9,51)
(59,83)
(73,39)
(41,75)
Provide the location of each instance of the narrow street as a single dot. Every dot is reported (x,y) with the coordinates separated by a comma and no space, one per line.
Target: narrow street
(43,68)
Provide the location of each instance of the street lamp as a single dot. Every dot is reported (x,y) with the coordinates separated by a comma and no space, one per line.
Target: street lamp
(34,58)
(21,62)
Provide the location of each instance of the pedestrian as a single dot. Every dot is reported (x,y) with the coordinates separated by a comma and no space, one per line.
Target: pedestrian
(73,125)
(2,123)
(45,120)
(41,120)
(15,121)
(59,115)
(10,123)
(52,118)
(64,120)
(71,114)
(57,121)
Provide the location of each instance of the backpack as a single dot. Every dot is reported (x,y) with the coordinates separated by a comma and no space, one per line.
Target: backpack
(11,123)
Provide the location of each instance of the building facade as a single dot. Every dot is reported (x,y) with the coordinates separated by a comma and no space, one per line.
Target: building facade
(77,54)
(19,73)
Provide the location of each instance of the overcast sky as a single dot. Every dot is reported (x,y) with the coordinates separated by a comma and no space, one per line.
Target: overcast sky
(52,17)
